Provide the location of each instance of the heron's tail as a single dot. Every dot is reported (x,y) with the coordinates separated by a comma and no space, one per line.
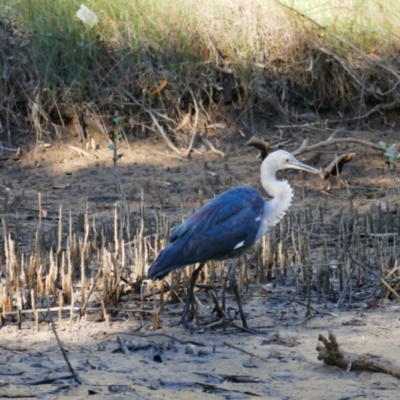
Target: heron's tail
(168,260)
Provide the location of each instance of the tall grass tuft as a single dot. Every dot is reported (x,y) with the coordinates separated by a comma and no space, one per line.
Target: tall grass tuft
(240,32)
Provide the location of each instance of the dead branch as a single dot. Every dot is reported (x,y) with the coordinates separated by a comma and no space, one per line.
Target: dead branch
(79,151)
(245,351)
(212,148)
(331,141)
(264,147)
(63,352)
(380,107)
(330,353)
(336,166)
(196,121)
(156,123)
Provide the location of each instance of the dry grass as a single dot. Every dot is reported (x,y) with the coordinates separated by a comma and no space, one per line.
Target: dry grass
(345,259)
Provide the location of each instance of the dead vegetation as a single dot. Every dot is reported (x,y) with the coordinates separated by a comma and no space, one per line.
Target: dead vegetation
(87,271)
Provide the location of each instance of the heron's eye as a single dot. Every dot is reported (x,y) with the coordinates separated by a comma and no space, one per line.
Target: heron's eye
(287,160)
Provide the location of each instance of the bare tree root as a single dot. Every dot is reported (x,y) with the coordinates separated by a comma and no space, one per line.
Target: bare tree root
(331,354)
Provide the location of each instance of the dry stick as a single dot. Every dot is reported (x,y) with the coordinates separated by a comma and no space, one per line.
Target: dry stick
(34,310)
(71,314)
(373,273)
(196,120)
(156,334)
(245,351)
(168,155)
(156,123)
(64,353)
(60,308)
(212,148)
(83,308)
(330,141)
(264,146)
(360,264)
(80,151)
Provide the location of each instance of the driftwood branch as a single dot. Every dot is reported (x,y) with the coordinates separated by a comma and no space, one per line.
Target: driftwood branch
(330,353)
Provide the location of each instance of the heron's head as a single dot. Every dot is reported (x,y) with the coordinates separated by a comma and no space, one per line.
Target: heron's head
(281,159)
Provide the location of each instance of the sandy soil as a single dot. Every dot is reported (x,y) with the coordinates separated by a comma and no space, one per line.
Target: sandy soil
(281,363)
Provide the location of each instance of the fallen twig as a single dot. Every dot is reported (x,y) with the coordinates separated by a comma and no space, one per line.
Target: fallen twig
(156,123)
(244,351)
(156,334)
(2,346)
(64,353)
(212,148)
(207,387)
(80,151)
(48,380)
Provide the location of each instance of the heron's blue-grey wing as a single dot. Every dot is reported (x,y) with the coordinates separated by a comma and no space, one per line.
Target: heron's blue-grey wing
(230,221)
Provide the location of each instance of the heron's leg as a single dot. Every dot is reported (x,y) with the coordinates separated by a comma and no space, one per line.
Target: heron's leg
(236,291)
(224,289)
(190,295)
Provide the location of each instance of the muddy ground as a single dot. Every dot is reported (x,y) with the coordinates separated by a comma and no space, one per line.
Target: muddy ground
(280,363)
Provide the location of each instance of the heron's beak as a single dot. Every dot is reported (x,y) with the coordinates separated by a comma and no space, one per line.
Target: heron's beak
(298,165)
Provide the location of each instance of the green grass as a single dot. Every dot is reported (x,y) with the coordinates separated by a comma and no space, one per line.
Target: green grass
(177,36)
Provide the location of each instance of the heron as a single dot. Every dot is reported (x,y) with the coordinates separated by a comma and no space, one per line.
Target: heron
(228,226)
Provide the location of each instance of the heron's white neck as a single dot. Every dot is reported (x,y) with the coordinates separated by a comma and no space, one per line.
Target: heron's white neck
(282,194)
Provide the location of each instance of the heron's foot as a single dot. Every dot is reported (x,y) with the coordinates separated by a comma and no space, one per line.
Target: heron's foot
(185,324)
(246,328)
